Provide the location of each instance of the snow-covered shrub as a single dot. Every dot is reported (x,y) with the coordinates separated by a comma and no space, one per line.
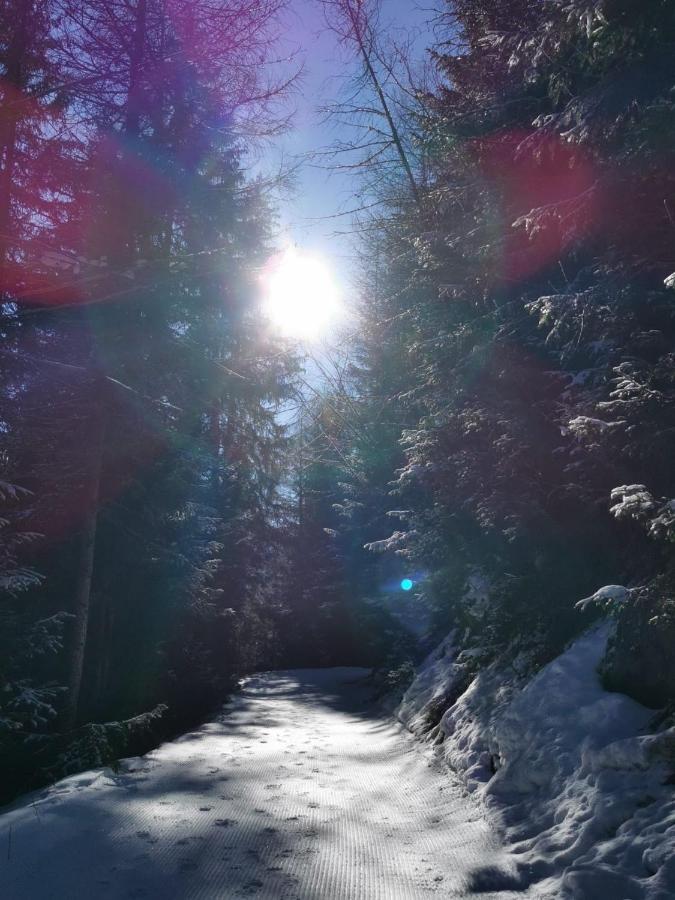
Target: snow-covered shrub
(639,658)
(47,757)
(101,743)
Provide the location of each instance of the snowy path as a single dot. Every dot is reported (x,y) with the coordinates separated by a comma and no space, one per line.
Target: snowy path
(295,792)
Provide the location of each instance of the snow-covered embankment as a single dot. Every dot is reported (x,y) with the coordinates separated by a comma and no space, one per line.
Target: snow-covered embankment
(582,789)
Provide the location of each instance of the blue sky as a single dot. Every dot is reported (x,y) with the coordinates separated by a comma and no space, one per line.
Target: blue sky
(308,216)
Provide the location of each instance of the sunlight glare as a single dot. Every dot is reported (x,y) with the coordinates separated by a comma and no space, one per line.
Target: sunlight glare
(302,298)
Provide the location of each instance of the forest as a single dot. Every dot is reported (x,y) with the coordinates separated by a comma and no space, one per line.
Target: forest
(188,495)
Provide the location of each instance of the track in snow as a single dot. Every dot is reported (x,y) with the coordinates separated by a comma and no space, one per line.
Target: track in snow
(297,792)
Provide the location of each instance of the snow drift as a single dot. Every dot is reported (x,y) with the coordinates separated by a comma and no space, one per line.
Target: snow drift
(582,790)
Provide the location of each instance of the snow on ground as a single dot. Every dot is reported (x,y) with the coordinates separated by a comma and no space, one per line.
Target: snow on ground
(433,683)
(579,785)
(298,791)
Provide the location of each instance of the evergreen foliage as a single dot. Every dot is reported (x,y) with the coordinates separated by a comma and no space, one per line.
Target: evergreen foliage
(519,331)
(142,456)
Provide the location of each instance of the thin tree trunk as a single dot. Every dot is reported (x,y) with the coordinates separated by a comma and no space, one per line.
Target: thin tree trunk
(85,570)
(126,214)
(100,623)
(372,74)
(135,95)
(301,478)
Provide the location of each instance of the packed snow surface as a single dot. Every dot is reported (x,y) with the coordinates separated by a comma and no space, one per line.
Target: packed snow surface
(297,791)
(583,789)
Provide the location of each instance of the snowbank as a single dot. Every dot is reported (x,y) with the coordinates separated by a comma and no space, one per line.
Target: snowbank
(577,783)
(428,695)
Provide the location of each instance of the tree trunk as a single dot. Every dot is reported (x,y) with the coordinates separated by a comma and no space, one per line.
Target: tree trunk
(135,94)
(85,569)
(372,74)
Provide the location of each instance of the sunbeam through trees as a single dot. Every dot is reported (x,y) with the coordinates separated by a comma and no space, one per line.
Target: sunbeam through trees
(427,435)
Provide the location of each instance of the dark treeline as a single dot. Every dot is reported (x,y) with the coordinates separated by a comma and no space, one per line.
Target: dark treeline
(500,430)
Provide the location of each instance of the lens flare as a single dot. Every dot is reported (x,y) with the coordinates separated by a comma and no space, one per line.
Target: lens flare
(302,298)
(406,584)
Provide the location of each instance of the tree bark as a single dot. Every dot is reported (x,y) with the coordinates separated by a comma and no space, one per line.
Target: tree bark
(85,567)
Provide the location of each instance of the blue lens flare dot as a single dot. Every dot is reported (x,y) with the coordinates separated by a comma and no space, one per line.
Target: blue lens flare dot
(406,584)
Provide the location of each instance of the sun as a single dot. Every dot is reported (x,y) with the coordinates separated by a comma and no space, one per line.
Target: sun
(301,296)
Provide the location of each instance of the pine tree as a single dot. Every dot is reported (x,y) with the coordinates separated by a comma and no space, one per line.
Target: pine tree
(143,409)
(532,318)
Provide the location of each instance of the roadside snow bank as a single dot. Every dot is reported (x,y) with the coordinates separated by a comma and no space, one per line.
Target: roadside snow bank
(581,790)
(432,690)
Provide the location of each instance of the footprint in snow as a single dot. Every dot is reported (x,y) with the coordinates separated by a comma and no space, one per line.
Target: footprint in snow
(225,823)
(187,865)
(146,836)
